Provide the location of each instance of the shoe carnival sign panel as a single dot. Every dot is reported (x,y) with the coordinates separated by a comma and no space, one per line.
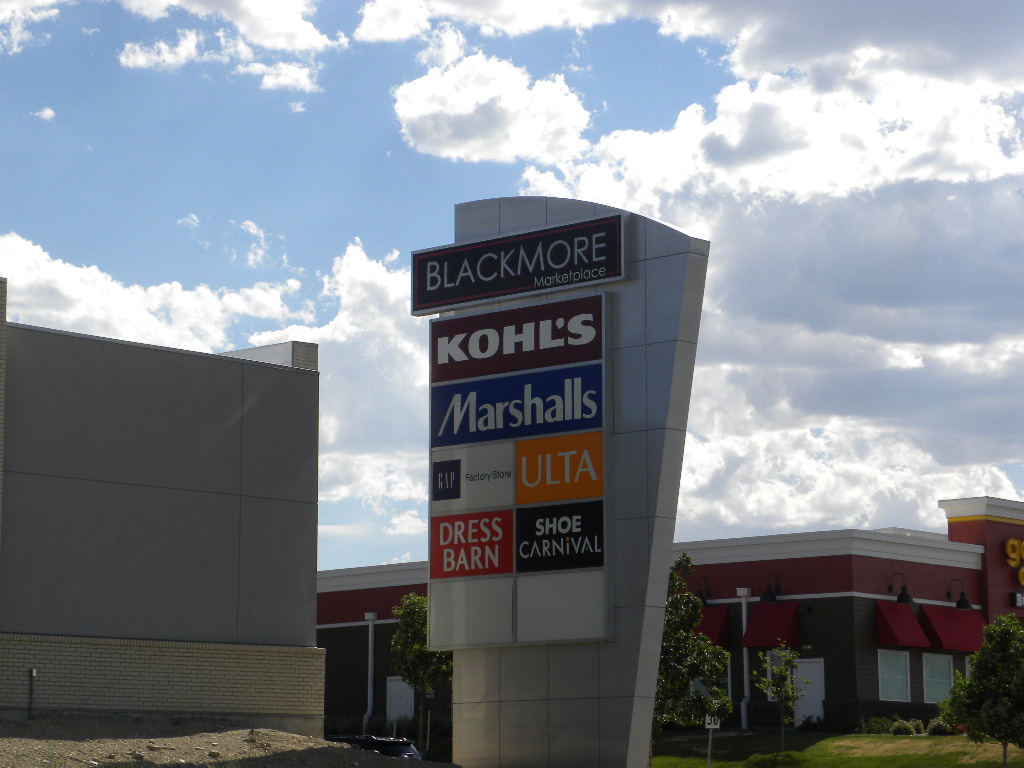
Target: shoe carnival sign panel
(542,260)
(544,402)
(474,544)
(539,336)
(560,536)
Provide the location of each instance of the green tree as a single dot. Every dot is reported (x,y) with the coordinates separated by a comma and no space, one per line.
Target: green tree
(687,656)
(990,703)
(419,667)
(777,679)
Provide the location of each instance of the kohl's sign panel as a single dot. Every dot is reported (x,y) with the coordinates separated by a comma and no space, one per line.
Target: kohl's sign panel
(554,258)
(539,336)
(545,402)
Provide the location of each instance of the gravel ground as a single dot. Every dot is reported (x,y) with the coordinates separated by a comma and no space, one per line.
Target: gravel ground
(72,742)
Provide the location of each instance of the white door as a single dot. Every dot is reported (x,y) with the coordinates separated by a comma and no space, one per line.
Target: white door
(400,699)
(810,674)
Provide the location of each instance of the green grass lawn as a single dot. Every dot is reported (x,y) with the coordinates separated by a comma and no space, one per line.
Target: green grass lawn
(731,749)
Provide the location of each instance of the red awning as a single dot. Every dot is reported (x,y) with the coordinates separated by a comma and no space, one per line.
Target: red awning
(953,629)
(715,624)
(897,625)
(771,625)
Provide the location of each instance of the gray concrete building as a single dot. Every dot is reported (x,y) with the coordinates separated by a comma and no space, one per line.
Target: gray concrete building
(158,514)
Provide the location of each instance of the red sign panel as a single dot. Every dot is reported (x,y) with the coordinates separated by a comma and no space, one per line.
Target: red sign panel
(474,544)
(559,333)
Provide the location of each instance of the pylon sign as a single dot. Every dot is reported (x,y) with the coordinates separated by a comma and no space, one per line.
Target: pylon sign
(517,413)
(560,385)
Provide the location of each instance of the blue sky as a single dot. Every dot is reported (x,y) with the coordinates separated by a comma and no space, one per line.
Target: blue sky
(214,175)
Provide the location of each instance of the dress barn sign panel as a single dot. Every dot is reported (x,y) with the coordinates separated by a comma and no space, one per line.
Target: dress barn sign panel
(558,257)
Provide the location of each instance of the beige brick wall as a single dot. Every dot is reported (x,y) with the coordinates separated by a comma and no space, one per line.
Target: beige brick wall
(264,685)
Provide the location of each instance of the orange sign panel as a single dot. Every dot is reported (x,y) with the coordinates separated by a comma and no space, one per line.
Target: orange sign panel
(560,468)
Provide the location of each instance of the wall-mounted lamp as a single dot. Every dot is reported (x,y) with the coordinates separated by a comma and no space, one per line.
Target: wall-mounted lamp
(706,592)
(962,603)
(904,595)
(769,594)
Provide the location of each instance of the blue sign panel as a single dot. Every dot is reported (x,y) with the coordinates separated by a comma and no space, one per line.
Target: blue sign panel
(506,408)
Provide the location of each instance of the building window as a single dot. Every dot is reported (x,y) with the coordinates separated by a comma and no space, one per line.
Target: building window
(938,677)
(893,675)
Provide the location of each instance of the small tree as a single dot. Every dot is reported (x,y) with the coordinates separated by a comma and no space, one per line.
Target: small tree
(777,680)
(990,703)
(686,656)
(419,667)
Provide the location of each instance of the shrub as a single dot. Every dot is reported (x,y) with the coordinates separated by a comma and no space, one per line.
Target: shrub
(811,723)
(902,728)
(778,760)
(918,727)
(878,726)
(938,727)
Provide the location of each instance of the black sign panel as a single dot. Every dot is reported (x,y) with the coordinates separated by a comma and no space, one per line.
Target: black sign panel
(560,536)
(446,480)
(542,260)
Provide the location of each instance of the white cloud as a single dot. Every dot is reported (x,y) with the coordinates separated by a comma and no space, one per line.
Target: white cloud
(90,31)
(406,558)
(55,294)
(297,106)
(283,75)
(393,20)
(949,39)
(189,222)
(258,250)
(161,55)
(376,479)
(278,25)
(390,20)
(783,138)
(483,108)
(408,523)
(445,46)
(15,18)
(46,113)
(346,530)
(373,310)
(775,468)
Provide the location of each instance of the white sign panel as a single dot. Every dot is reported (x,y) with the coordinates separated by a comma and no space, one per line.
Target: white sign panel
(472,478)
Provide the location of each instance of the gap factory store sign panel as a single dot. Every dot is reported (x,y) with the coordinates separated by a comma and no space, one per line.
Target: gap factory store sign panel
(517,419)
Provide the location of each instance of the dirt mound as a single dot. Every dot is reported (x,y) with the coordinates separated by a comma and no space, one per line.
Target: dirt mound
(72,742)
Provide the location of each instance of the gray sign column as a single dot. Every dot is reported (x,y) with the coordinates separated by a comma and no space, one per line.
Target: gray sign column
(590,703)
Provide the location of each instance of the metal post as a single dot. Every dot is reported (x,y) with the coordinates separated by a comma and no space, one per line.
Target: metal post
(711,732)
(744,593)
(371,617)
(32,673)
